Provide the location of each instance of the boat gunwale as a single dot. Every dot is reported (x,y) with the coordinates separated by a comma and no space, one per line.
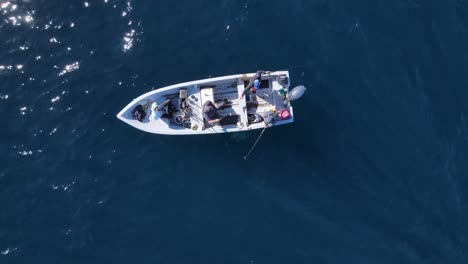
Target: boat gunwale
(144,96)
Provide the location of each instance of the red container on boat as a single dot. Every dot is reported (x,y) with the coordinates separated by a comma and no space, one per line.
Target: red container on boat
(285,114)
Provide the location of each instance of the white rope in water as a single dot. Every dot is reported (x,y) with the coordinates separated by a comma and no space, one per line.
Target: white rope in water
(245,157)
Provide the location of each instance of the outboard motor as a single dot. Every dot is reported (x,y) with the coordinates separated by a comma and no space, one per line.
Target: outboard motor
(296,93)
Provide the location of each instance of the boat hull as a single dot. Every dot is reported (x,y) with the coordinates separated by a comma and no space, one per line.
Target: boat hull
(227,88)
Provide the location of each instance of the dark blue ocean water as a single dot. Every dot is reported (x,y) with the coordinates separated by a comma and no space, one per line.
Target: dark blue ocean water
(374,170)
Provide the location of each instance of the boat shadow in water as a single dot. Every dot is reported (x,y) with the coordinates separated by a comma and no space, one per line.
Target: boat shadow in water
(313,137)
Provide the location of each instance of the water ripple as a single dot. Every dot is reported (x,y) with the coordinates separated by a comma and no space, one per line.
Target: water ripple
(8,251)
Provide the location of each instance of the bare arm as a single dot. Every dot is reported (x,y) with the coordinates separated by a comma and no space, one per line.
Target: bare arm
(163,104)
(214,121)
(258,75)
(247,88)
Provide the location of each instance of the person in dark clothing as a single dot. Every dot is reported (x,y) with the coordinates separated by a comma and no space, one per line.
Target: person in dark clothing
(139,113)
(209,112)
(254,83)
(269,118)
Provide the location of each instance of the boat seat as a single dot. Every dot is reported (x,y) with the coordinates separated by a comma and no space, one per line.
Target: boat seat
(206,95)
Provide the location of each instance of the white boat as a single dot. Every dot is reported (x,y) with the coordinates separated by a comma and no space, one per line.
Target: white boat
(240,114)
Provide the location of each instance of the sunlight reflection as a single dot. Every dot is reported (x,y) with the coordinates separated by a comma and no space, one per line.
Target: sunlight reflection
(13,15)
(130,37)
(69,68)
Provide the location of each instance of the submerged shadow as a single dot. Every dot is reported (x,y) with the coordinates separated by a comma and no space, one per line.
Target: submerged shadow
(314,136)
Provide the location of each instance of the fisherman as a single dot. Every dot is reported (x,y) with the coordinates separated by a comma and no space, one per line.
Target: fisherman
(161,109)
(254,83)
(269,118)
(139,113)
(209,111)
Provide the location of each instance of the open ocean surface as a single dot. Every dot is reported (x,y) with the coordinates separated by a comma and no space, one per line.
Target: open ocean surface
(374,170)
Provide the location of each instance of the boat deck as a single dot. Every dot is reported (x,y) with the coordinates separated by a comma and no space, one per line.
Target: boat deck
(228,92)
(266,98)
(235,114)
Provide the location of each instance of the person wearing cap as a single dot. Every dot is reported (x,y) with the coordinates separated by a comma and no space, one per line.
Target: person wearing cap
(139,113)
(269,117)
(254,83)
(161,109)
(156,110)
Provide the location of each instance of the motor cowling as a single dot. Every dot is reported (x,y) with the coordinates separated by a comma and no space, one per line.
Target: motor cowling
(296,93)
